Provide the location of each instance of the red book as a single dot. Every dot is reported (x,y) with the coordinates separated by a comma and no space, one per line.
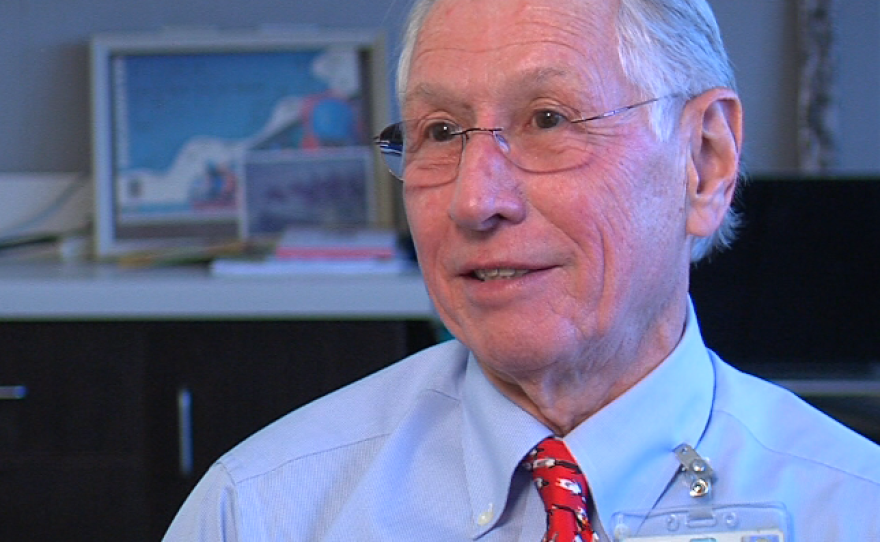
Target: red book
(336,244)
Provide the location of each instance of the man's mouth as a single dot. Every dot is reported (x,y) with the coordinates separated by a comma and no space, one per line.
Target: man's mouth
(503,273)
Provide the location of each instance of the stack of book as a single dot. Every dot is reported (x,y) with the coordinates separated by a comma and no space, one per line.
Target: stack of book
(322,251)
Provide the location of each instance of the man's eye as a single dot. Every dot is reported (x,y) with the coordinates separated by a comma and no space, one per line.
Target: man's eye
(547,119)
(440,132)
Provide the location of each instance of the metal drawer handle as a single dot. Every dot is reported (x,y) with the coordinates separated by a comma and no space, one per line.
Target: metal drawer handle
(12,393)
(184,432)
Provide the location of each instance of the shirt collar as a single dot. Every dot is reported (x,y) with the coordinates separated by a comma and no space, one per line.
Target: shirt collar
(626,449)
(496,435)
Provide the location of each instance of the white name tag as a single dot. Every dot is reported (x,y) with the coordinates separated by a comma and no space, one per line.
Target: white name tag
(720,523)
(772,535)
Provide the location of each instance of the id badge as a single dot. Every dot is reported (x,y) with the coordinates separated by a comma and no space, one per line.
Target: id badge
(729,523)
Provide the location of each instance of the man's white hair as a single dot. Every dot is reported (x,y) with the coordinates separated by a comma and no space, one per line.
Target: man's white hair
(665,47)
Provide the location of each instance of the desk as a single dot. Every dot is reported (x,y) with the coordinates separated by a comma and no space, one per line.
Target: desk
(87,291)
(122,386)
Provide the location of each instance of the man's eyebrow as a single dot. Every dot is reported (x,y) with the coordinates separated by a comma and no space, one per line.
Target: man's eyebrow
(543,73)
(539,80)
(527,82)
(431,93)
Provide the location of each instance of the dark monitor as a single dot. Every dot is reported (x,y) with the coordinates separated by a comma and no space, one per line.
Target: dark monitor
(798,293)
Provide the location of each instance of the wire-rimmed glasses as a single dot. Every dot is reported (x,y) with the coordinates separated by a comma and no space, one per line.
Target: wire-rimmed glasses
(426,152)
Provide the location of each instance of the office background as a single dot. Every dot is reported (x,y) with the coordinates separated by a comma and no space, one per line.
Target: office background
(44,86)
(109,393)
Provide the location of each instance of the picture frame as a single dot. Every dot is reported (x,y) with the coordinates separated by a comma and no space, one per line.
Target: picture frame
(330,187)
(181,118)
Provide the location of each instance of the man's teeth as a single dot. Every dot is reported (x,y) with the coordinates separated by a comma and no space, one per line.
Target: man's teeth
(491,274)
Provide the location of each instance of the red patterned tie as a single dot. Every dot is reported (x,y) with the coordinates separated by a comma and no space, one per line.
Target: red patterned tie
(564,490)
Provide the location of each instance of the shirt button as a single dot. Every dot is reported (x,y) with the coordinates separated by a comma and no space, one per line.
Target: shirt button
(485,517)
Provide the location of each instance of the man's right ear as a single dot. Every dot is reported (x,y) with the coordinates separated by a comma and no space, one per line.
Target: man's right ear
(712,122)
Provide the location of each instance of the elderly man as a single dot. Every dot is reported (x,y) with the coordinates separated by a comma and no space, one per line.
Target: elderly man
(563,163)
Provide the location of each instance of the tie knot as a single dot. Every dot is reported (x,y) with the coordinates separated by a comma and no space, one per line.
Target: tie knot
(563,488)
(552,453)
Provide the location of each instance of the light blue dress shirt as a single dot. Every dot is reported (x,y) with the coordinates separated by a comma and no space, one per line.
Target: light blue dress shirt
(428,449)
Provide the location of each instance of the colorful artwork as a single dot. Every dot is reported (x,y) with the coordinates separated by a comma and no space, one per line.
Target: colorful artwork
(186,124)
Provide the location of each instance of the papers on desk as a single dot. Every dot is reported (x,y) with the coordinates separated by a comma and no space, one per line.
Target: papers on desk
(232,267)
(348,244)
(313,251)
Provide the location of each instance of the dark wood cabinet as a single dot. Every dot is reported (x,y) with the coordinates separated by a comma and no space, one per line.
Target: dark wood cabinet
(121,418)
(71,447)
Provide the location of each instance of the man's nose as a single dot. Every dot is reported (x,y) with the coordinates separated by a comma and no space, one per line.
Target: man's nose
(488,191)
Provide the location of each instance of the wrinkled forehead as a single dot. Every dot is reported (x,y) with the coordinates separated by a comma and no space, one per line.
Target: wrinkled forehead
(491,49)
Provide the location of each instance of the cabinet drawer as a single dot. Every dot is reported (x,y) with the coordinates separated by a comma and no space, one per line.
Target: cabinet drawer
(70,388)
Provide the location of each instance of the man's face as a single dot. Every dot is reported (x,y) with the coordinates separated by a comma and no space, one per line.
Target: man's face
(602,245)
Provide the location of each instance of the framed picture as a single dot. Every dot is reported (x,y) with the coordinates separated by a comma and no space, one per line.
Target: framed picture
(212,135)
(332,187)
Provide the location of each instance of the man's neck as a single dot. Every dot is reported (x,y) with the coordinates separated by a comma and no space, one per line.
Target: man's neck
(562,395)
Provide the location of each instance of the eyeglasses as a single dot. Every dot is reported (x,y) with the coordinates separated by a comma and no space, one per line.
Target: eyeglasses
(427,152)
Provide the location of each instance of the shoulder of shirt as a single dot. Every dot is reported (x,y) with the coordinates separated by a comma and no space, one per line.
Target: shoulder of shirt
(790,428)
(365,410)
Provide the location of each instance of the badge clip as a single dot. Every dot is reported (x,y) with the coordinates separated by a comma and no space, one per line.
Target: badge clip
(699,472)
